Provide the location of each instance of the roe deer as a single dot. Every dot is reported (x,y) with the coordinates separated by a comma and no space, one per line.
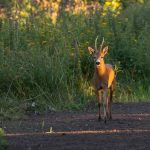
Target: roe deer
(103,80)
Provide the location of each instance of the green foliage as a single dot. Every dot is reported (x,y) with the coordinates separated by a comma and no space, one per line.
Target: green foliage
(45,66)
(132,41)
(3,142)
(5,3)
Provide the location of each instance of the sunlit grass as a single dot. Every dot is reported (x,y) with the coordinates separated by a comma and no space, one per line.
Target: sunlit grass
(81,132)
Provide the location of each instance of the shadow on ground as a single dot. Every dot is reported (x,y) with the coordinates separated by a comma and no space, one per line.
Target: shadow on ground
(129,129)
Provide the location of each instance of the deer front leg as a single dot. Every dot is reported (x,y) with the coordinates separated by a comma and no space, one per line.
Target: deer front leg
(99,104)
(106,112)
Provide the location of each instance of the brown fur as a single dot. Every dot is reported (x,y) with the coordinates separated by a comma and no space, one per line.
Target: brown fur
(103,82)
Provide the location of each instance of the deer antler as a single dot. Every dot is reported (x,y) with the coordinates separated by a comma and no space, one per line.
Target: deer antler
(96,43)
(101,46)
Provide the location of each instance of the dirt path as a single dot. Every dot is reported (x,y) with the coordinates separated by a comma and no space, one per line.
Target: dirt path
(129,130)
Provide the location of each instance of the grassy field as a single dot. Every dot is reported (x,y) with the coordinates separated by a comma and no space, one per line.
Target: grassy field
(44,65)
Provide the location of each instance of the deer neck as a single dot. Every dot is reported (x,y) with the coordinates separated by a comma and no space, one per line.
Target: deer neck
(101,69)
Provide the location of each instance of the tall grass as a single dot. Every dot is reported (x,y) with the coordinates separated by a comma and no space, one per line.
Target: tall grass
(3,142)
(45,66)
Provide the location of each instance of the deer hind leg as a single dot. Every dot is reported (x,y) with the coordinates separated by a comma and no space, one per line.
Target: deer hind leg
(98,93)
(110,104)
(112,88)
(111,101)
(106,111)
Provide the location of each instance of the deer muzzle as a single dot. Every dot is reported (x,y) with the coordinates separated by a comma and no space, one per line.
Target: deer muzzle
(97,62)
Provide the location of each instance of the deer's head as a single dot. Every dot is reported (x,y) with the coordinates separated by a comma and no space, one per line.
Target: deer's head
(98,55)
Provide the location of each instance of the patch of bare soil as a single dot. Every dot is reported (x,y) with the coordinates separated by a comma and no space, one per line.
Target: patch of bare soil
(129,130)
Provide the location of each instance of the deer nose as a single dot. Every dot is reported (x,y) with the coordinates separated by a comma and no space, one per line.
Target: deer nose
(97,62)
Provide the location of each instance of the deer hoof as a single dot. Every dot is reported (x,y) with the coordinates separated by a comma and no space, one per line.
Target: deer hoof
(107,115)
(110,118)
(99,118)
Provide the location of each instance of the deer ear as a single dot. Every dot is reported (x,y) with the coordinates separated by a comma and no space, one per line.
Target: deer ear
(105,50)
(91,50)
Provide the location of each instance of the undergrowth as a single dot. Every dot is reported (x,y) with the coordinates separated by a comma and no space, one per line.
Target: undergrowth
(3,142)
(46,67)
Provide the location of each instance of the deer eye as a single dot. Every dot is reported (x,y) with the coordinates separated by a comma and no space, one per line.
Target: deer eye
(94,57)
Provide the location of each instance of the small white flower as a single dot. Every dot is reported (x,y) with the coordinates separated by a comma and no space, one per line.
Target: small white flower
(33,104)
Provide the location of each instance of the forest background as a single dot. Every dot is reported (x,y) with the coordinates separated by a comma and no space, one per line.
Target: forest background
(44,61)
